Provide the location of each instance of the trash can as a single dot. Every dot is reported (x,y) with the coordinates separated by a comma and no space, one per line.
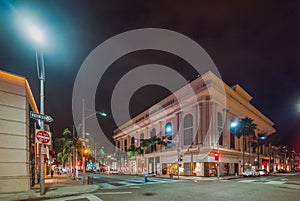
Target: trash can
(90,180)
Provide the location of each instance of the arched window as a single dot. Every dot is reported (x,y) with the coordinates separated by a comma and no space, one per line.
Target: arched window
(233,128)
(220,128)
(141,138)
(169,130)
(153,134)
(188,129)
(125,145)
(132,140)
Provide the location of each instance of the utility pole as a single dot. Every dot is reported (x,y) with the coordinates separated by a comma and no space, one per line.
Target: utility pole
(83,141)
(178,154)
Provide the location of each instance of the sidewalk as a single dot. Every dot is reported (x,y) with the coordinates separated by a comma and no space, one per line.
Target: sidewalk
(58,186)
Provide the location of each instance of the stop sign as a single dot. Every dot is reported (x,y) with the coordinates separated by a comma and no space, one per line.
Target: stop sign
(43,137)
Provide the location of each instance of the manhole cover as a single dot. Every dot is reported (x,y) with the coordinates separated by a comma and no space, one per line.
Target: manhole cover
(148,194)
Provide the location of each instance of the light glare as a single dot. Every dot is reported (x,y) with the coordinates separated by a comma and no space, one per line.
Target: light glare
(36,34)
(233,124)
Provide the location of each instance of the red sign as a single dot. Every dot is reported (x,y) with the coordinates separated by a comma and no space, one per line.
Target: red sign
(43,137)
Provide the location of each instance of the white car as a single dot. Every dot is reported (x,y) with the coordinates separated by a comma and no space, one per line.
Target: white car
(250,173)
(263,172)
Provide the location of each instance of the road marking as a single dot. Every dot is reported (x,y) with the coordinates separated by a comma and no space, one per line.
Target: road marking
(247,181)
(106,185)
(87,196)
(113,193)
(275,182)
(134,187)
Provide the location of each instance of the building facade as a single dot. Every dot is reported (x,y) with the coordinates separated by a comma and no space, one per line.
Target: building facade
(195,132)
(16,134)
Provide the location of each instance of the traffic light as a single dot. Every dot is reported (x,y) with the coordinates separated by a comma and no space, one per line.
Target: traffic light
(216,165)
(216,156)
(181,158)
(165,139)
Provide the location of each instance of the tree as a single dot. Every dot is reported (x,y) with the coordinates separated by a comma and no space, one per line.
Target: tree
(246,128)
(260,139)
(133,150)
(66,147)
(151,142)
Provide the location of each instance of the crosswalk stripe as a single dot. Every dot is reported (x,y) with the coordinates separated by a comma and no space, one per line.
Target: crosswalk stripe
(247,181)
(262,181)
(275,182)
(107,185)
(133,182)
(125,183)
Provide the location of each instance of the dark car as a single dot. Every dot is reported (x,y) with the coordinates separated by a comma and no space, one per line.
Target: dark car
(281,171)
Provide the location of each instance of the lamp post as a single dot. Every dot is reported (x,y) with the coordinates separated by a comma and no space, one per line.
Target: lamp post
(37,36)
(234,124)
(83,134)
(218,154)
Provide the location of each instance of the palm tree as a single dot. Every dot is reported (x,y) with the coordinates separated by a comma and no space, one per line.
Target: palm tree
(152,142)
(66,145)
(260,140)
(133,150)
(246,128)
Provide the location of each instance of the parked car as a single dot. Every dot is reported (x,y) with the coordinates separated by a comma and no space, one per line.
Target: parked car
(281,171)
(250,173)
(263,172)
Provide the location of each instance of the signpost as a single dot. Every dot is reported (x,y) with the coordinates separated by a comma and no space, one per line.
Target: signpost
(43,137)
(43,117)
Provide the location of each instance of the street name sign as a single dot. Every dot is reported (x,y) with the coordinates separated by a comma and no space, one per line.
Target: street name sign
(43,117)
(43,137)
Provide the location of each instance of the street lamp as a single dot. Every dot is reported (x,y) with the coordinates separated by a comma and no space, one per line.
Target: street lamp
(37,36)
(234,124)
(83,133)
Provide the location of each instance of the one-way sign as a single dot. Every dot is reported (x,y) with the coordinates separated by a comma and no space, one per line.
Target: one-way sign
(43,117)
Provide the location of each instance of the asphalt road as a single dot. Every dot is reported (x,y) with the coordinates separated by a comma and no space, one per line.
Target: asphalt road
(277,187)
(285,187)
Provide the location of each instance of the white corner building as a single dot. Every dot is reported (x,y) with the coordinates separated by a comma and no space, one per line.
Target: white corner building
(196,131)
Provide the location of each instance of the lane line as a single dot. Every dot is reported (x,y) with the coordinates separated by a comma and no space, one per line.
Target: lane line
(113,193)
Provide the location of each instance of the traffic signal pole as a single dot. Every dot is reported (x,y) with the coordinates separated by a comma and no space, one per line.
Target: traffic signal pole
(41,76)
(218,162)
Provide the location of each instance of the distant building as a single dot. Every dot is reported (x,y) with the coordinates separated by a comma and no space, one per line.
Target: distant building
(194,148)
(17,146)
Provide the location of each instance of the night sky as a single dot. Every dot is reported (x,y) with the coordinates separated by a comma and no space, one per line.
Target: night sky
(253,43)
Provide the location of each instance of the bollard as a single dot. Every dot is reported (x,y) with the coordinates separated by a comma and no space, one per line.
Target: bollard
(90,180)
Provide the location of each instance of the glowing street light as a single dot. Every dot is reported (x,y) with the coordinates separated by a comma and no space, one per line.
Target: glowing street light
(37,36)
(234,124)
(84,117)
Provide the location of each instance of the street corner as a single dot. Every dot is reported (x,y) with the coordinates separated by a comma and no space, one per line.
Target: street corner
(90,197)
(71,190)
(26,195)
